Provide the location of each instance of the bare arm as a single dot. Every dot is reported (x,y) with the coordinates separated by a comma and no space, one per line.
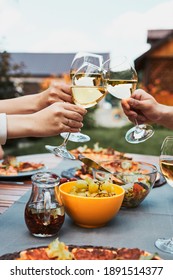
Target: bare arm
(143,107)
(20,105)
(57,92)
(58,117)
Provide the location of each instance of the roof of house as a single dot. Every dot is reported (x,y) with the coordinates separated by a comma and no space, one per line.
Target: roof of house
(155,35)
(161,37)
(45,64)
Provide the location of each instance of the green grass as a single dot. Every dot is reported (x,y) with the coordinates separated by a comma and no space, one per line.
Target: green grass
(107,137)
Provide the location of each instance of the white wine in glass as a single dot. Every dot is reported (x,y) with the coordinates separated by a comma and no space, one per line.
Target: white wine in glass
(79,59)
(166,167)
(122,79)
(88,88)
(166,160)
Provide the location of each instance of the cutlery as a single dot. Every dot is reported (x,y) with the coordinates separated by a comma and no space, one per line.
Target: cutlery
(13,183)
(91,163)
(96,166)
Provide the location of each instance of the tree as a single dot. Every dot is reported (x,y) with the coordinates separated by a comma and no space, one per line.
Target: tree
(7,70)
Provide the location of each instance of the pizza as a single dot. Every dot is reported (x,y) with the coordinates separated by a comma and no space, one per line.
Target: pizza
(11,167)
(57,250)
(98,153)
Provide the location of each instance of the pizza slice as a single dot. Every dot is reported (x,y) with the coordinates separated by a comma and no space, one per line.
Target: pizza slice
(29,166)
(57,250)
(98,153)
(11,167)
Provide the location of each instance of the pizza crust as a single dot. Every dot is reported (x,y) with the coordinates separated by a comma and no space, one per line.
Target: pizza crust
(84,253)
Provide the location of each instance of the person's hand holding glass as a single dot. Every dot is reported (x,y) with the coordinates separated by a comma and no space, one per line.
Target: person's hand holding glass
(121,79)
(80,59)
(88,88)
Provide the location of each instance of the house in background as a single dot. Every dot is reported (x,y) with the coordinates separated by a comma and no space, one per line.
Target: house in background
(155,67)
(41,67)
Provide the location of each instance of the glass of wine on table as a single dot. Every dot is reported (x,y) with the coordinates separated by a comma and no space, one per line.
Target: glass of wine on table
(166,167)
(121,79)
(88,88)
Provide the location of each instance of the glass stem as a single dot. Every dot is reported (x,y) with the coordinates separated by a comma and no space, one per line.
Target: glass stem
(170,241)
(137,127)
(66,140)
(136,123)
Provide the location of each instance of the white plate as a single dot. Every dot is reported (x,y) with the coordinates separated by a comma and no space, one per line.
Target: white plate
(25,173)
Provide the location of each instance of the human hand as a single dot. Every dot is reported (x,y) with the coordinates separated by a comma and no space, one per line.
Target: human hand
(57,118)
(57,92)
(142,107)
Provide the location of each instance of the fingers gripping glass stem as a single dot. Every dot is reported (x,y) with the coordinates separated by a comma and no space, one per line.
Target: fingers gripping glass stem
(61,150)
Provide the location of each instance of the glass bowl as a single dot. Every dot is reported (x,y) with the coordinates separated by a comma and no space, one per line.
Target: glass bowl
(137,178)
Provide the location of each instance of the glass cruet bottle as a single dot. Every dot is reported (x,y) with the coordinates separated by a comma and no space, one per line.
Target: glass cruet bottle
(44,212)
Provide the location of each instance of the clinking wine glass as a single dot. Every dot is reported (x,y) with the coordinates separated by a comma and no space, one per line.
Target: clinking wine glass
(166,167)
(88,88)
(122,79)
(79,59)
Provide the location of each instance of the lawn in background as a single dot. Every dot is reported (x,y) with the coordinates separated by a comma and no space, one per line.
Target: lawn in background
(107,137)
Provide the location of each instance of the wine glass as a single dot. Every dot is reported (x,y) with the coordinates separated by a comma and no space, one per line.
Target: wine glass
(121,79)
(88,88)
(166,167)
(79,59)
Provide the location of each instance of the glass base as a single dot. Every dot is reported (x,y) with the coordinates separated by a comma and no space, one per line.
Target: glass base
(165,245)
(60,151)
(76,137)
(138,134)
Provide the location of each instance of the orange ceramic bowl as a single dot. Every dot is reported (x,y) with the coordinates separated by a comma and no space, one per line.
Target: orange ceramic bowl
(90,212)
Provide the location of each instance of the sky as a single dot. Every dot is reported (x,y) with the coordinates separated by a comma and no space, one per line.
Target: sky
(60,26)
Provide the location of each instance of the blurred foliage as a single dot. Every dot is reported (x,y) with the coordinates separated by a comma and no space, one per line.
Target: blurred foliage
(7,70)
(156,89)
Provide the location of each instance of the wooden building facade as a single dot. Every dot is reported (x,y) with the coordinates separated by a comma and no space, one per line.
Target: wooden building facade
(155,67)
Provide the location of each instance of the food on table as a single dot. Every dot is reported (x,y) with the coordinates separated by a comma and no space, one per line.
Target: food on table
(135,194)
(64,180)
(98,153)
(10,166)
(93,188)
(90,211)
(57,250)
(137,178)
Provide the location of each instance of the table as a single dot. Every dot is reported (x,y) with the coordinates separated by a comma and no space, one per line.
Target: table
(11,192)
(138,227)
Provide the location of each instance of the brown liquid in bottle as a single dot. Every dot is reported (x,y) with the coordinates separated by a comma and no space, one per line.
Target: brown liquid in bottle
(38,224)
(44,212)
